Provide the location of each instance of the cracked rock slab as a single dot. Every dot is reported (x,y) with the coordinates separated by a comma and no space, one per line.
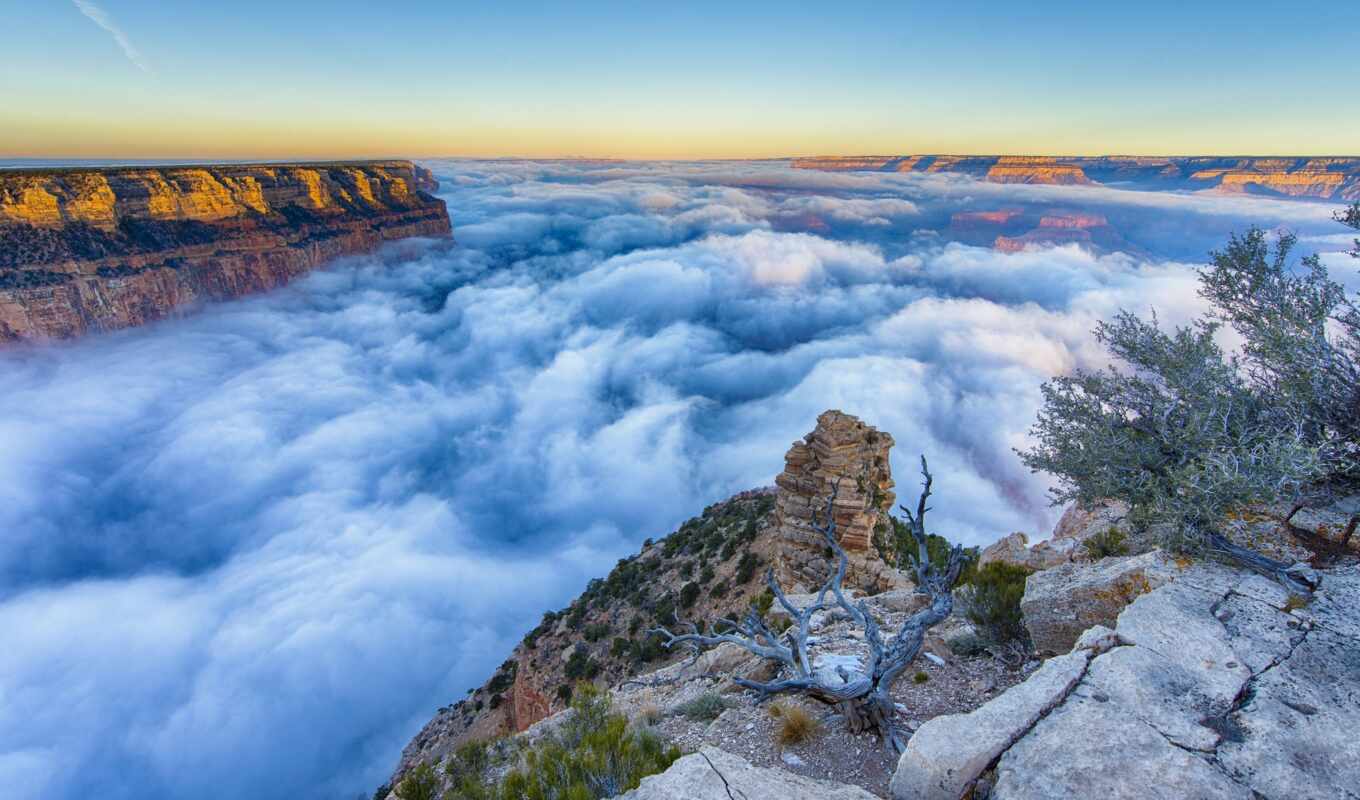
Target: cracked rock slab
(948,753)
(1220,687)
(713,774)
(1090,748)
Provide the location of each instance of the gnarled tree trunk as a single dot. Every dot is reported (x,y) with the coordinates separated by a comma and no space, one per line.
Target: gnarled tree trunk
(862,697)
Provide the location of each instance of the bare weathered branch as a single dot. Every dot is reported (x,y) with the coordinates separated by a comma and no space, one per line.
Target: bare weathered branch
(861,696)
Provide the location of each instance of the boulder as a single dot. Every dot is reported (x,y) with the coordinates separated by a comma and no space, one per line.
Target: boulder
(1060,603)
(1079,523)
(1015,550)
(947,754)
(713,774)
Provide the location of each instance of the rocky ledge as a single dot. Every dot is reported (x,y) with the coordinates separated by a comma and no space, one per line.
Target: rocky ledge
(98,249)
(1335,179)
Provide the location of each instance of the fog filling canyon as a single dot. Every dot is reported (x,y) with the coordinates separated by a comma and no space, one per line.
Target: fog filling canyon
(249,552)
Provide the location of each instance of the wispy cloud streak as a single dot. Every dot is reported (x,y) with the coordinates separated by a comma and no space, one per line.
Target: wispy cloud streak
(101,18)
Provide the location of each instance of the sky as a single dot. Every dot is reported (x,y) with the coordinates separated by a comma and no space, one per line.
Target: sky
(425,78)
(250,551)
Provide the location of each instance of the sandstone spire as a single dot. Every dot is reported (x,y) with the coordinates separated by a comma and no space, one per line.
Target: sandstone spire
(844,450)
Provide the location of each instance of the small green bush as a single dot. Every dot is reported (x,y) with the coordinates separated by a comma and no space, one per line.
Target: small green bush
(920,677)
(1109,543)
(746,567)
(688,594)
(581,666)
(469,758)
(595,631)
(420,783)
(764,602)
(992,602)
(706,707)
(595,754)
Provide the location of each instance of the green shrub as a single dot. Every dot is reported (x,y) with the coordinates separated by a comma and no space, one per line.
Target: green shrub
(704,708)
(504,677)
(1187,433)
(595,754)
(920,677)
(688,594)
(1109,543)
(648,649)
(992,602)
(469,758)
(746,567)
(420,783)
(595,631)
(581,666)
(764,602)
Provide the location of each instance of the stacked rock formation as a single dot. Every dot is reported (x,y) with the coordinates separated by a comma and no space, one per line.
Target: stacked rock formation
(844,454)
(97,249)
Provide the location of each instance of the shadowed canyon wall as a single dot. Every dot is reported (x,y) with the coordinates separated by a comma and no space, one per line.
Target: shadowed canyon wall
(1335,179)
(104,248)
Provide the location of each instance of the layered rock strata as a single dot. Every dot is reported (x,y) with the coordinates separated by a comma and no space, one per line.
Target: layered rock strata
(1335,179)
(98,249)
(846,455)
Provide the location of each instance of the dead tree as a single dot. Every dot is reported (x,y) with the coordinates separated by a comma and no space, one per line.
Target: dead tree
(861,696)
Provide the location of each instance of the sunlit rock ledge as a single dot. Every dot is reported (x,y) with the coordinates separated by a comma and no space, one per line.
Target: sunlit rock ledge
(85,250)
(1335,179)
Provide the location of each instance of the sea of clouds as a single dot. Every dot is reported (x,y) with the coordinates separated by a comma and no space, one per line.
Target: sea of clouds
(249,552)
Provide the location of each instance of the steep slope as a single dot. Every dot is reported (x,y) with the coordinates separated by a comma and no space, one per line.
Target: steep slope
(712,566)
(99,249)
(1334,179)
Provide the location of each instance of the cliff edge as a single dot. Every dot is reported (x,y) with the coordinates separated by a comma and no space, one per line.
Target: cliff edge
(1334,179)
(99,249)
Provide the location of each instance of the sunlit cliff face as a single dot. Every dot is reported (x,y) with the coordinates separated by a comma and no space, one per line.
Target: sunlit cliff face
(248,552)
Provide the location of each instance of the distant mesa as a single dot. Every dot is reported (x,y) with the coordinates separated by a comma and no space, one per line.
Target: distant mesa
(99,249)
(1013,230)
(1334,179)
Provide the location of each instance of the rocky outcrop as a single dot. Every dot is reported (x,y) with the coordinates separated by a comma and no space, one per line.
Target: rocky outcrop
(1334,179)
(845,454)
(1015,550)
(1067,544)
(1088,231)
(1062,602)
(97,249)
(1222,687)
(1216,684)
(713,774)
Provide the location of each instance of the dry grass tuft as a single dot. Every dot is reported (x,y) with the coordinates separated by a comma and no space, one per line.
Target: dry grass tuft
(796,725)
(649,714)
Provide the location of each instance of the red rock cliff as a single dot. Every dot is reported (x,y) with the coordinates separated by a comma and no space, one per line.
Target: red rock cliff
(98,249)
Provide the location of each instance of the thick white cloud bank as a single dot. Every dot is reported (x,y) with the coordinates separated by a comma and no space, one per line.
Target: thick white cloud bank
(247,553)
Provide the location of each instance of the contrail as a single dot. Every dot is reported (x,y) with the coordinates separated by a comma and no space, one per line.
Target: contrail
(101,18)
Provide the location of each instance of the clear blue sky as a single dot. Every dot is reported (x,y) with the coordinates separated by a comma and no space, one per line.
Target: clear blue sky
(418,77)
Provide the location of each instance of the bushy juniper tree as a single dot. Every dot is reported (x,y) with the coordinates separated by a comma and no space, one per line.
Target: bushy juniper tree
(1186,433)
(860,695)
